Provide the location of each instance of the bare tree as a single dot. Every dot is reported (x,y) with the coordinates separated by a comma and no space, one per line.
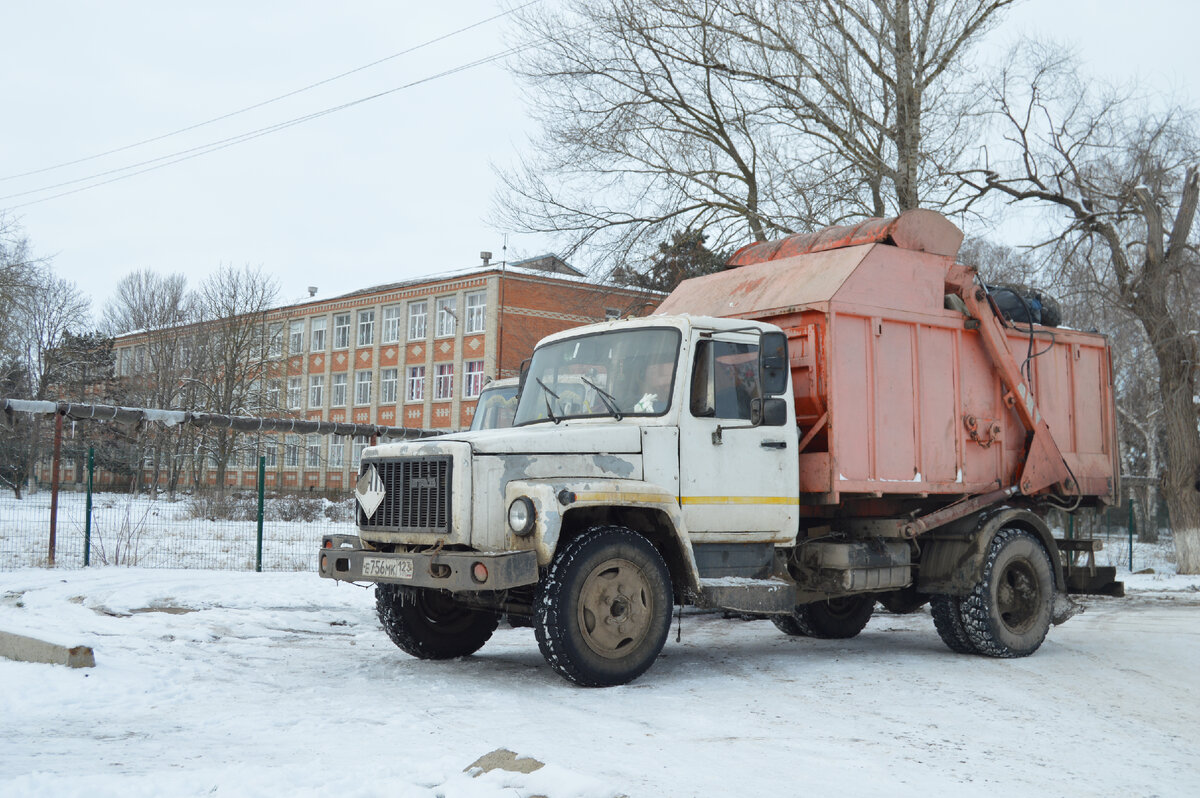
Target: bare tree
(738,117)
(231,352)
(1124,181)
(162,309)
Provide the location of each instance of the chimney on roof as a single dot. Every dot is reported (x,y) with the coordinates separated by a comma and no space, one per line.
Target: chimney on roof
(487,258)
(312,290)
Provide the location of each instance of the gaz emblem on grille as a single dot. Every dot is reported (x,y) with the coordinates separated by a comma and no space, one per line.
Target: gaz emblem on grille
(423,483)
(369,491)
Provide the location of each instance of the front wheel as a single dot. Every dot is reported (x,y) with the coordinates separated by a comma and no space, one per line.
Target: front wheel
(1008,612)
(430,624)
(604,609)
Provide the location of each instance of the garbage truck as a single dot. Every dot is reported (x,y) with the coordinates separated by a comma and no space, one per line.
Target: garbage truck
(836,420)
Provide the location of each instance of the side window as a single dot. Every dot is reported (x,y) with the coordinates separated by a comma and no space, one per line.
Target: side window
(724,379)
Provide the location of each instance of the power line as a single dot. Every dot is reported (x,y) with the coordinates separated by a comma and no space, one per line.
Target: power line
(203,149)
(222,117)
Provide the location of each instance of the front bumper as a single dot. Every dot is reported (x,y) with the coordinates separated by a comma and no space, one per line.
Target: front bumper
(343,557)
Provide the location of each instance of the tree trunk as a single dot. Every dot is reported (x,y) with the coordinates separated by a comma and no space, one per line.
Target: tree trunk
(1175,357)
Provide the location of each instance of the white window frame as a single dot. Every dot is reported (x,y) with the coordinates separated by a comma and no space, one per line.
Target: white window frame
(317,334)
(275,339)
(270,450)
(295,393)
(366,327)
(476,320)
(387,386)
(414,385)
(296,337)
(312,451)
(447,309)
(341,331)
(443,381)
(316,390)
(291,451)
(337,390)
(337,451)
(273,387)
(418,319)
(472,378)
(362,387)
(360,442)
(391,325)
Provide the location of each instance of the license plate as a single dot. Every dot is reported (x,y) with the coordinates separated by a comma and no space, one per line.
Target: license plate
(392,568)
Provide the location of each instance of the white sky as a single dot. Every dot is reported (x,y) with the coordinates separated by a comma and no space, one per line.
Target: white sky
(388,190)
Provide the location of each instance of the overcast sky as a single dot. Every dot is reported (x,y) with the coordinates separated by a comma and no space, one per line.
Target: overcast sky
(386,190)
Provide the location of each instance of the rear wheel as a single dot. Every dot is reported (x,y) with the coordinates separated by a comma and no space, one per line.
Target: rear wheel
(947,619)
(1008,612)
(835,619)
(430,624)
(604,609)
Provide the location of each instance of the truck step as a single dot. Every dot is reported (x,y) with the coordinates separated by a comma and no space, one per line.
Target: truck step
(740,594)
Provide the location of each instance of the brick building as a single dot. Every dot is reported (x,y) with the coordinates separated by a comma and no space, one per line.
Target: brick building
(408,354)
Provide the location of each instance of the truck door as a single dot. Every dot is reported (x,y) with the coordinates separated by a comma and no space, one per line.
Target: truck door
(739,485)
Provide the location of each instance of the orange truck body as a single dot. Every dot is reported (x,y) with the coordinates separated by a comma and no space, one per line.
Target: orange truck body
(896,394)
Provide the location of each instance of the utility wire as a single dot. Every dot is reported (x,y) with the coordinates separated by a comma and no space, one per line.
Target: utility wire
(204,149)
(293,93)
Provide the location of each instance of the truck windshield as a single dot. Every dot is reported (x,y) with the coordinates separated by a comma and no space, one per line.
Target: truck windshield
(495,407)
(617,374)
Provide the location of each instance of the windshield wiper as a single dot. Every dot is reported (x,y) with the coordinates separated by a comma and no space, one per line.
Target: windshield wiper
(549,410)
(609,400)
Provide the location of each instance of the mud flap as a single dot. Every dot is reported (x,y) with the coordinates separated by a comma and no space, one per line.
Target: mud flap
(1063,608)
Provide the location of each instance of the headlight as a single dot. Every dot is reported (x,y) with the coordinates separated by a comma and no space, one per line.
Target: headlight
(521,515)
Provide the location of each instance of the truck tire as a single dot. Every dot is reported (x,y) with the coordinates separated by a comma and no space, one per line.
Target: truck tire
(947,619)
(1008,612)
(604,608)
(833,619)
(430,624)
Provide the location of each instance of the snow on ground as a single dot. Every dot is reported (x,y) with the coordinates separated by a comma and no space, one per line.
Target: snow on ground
(283,683)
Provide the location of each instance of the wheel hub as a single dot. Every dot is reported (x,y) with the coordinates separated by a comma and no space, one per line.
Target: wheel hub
(615,608)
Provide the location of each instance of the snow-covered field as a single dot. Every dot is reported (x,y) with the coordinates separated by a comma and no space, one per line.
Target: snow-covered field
(245,684)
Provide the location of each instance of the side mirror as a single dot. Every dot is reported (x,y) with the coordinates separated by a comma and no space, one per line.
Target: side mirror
(773,363)
(768,412)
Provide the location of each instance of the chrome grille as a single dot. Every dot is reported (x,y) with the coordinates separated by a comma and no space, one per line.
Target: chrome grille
(416,495)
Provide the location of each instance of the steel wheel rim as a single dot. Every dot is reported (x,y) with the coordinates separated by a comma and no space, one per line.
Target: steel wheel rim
(1018,598)
(616,608)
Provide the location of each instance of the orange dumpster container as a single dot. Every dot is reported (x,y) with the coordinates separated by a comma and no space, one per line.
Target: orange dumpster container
(896,394)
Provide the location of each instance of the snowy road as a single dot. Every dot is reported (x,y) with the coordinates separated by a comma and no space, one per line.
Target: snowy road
(265,684)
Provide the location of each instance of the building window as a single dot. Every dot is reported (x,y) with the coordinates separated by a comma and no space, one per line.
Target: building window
(318,334)
(356,450)
(415,390)
(316,390)
(251,460)
(476,310)
(273,394)
(296,338)
(366,327)
(337,451)
(445,317)
(473,379)
(387,386)
(362,387)
(341,330)
(270,449)
(416,321)
(291,451)
(139,360)
(391,324)
(275,340)
(337,390)
(295,393)
(124,369)
(312,452)
(443,381)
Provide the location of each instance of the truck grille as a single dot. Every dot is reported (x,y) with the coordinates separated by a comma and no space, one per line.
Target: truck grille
(416,495)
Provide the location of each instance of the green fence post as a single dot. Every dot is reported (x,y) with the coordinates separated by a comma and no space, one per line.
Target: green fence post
(87,519)
(262,474)
(1130,534)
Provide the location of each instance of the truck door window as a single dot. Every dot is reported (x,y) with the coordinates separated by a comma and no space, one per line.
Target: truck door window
(724,379)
